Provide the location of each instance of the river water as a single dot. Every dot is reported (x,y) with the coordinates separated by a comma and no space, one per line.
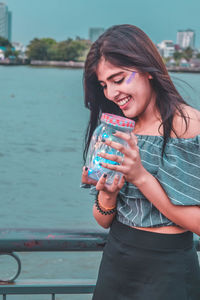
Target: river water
(42,125)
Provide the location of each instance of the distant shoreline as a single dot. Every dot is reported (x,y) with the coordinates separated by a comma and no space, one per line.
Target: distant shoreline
(65,64)
(183,69)
(80,65)
(43,63)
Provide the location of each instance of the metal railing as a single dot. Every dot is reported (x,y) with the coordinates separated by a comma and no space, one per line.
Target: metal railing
(30,240)
(43,240)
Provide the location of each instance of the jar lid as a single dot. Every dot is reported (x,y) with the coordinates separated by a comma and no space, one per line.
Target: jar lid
(117,121)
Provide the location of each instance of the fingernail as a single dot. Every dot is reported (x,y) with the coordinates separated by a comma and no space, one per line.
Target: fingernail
(105,175)
(114,131)
(86,168)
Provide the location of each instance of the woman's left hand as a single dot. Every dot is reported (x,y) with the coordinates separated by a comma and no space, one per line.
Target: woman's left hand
(130,164)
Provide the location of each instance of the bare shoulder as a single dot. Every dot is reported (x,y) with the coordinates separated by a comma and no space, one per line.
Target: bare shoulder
(192,116)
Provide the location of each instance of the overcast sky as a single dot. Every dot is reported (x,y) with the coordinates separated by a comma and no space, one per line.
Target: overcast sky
(61,19)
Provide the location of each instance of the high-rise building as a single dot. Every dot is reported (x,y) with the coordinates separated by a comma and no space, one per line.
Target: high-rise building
(166,48)
(185,38)
(9,26)
(5,22)
(94,33)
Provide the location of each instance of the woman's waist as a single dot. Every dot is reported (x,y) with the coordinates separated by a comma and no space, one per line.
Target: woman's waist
(151,239)
(163,225)
(171,229)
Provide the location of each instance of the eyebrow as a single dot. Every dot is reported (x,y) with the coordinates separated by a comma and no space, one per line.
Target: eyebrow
(113,75)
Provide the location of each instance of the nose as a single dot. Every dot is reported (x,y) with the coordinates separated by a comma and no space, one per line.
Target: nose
(111,92)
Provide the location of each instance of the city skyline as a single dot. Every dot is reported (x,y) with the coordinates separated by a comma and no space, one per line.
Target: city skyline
(63,19)
(5,22)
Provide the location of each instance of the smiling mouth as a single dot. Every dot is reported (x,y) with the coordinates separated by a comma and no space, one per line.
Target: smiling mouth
(124,101)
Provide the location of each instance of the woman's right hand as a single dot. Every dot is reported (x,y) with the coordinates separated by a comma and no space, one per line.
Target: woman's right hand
(110,189)
(107,196)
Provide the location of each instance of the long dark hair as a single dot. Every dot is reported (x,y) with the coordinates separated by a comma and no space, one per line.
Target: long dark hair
(128,46)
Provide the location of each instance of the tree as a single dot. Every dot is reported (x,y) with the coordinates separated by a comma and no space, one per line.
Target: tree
(177,55)
(38,48)
(49,49)
(70,49)
(76,49)
(9,52)
(5,43)
(187,53)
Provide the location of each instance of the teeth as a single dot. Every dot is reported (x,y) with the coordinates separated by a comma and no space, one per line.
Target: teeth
(124,101)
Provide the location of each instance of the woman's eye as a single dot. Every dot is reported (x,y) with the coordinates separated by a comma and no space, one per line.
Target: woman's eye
(119,81)
(115,82)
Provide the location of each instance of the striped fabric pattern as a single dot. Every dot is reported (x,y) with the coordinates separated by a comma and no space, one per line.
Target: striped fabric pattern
(178,172)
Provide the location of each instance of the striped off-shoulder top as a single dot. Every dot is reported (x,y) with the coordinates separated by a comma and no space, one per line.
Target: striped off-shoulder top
(178,171)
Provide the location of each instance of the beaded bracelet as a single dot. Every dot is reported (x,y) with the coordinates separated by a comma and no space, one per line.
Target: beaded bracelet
(106,208)
(103,212)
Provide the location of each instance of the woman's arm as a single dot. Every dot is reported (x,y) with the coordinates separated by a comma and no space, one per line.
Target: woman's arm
(187,217)
(107,196)
(106,202)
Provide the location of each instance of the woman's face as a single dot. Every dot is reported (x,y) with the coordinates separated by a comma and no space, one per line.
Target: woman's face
(130,90)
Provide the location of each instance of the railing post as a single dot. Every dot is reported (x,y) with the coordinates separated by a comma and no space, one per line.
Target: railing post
(4,297)
(53,297)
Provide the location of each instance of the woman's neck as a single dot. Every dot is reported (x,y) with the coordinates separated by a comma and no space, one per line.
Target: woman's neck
(149,124)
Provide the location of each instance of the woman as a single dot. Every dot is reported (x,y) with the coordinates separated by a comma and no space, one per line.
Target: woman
(153,210)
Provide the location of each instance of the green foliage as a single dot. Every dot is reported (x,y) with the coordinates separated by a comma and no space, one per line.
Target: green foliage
(198,55)
(10,52)
(38,48)
(49,49)
(8,48)
(4,42)
(187,53)
(177,55)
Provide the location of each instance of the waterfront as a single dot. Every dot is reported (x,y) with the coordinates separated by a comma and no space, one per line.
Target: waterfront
(41,159)
(42,124)
(80,65)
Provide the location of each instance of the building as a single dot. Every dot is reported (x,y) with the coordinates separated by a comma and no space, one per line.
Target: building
(94,33)
(194,62)
(186,38)
(2,54)
(5,22)
(19,47)
(166,48)
(9,26)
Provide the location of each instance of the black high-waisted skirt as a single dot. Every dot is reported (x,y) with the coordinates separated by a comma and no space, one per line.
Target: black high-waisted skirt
(142,265)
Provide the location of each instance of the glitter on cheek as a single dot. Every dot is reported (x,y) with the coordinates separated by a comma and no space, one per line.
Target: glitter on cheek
(132,76)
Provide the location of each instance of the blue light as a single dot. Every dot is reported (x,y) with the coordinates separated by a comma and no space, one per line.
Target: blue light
(96,160)
(105,135)
(90,171)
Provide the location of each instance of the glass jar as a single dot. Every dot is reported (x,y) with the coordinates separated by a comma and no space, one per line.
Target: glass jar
(109,124)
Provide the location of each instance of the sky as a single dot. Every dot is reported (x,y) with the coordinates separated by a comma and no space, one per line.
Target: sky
(62,19)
